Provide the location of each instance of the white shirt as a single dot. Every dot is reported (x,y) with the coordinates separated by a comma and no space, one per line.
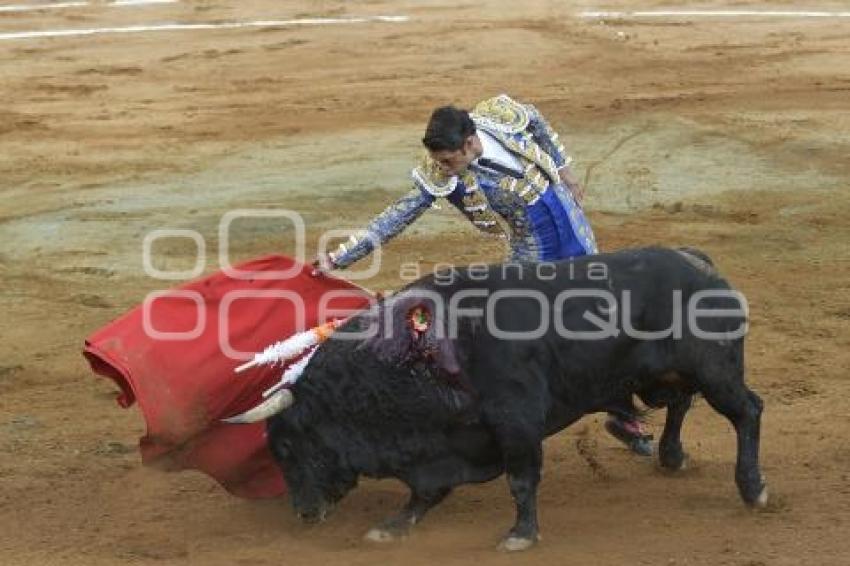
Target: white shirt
(495,151)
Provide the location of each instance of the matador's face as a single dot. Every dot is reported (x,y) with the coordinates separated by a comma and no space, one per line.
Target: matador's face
(455,162)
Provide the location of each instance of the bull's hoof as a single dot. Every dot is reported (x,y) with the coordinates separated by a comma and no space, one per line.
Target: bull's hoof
(384,535)
(675,463)
(754,492)
(513,543)
(392,529)
(762,499)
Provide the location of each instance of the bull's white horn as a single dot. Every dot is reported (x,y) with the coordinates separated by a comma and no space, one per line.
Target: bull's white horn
(271,406)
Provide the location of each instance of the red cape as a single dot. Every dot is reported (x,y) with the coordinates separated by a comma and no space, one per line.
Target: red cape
(185,386)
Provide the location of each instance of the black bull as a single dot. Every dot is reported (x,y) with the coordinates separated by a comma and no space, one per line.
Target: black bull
(458,401)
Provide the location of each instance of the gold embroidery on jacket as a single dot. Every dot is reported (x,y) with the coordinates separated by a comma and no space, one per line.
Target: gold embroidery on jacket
(476,207)
(503,114)
(432,178)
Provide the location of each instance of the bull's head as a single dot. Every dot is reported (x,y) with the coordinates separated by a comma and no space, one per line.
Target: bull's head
(315,475)
(316,448)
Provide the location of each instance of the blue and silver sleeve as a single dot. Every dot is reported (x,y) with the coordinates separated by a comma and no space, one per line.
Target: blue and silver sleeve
(547,138)
(388,224)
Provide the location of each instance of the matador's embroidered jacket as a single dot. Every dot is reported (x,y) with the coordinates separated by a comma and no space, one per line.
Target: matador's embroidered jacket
(533,210)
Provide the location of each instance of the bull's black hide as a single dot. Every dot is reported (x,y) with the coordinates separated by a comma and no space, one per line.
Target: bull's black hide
(437,410)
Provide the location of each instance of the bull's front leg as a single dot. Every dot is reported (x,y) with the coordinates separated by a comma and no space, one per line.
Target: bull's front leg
(518,423)
(430,484)
(398,526)
(523,464)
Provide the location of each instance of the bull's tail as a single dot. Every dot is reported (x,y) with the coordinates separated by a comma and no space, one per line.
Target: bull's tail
(698,259)
(697,253)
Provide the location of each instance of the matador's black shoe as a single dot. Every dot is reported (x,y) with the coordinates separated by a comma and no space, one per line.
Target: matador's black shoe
(631,434)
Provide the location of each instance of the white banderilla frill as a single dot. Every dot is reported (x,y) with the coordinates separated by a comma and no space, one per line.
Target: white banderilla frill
(278,397)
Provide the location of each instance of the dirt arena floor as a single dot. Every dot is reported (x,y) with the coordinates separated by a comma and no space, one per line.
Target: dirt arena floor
(726,134)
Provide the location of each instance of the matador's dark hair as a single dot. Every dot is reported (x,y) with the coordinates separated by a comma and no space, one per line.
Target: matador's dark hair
(448,128)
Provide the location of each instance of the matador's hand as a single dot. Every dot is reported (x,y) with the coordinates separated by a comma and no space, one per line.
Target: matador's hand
(571,182)
(322,264)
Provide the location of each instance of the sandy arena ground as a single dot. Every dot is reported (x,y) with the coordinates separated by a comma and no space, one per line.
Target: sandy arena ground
(726,134)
